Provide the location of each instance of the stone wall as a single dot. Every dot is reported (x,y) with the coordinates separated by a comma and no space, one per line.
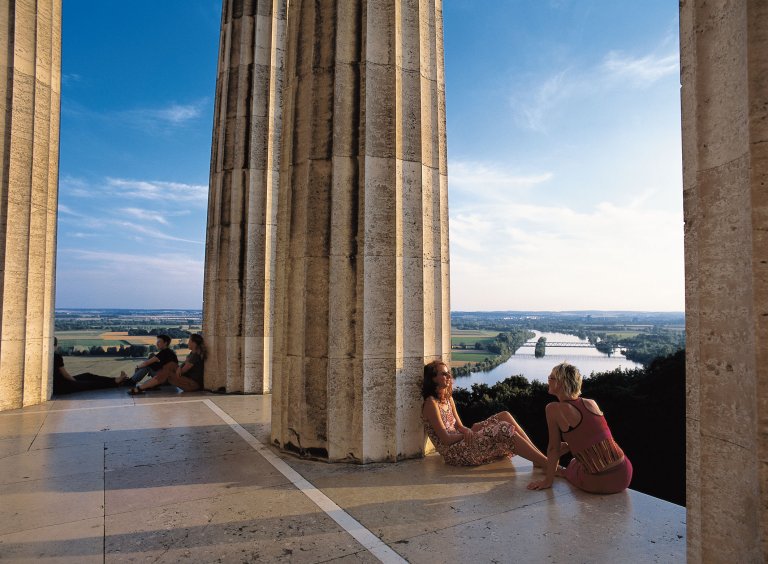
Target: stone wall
(361,295)
(30,78)
(724,69)
(242,207)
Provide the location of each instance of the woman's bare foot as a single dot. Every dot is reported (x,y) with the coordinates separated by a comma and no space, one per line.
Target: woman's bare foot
(122,378)
(560,471)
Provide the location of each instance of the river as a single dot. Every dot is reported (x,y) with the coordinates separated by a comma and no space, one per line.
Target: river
(524,363)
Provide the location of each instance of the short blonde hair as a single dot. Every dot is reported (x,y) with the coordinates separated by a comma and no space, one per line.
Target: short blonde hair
(569,378)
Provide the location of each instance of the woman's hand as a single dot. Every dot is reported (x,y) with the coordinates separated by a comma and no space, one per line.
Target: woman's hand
(540,485)
(469,436)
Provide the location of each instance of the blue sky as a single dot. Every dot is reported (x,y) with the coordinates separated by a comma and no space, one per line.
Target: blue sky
(563,140)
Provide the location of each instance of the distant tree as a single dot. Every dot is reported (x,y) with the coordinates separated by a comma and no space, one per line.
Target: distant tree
(138,351)
(639,403)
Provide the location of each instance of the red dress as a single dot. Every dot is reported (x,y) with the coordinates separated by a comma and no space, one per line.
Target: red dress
(495,440)
(599,464)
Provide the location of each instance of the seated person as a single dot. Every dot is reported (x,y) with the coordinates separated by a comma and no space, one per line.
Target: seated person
(163,359)
(599,465)
(65,383)
(499,435)
(188,376)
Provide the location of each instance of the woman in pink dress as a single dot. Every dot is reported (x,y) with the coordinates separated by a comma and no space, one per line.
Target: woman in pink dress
(499,435)
(599,465)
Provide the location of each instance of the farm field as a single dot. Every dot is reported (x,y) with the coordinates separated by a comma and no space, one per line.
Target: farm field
(87,339)
(472,333)
(622,334)
(470,337)
(471,356)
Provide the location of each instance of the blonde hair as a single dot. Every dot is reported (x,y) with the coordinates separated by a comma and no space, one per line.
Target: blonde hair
(569,378)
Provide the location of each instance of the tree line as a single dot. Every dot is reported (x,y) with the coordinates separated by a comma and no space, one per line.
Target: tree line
(645,409)
(503,345)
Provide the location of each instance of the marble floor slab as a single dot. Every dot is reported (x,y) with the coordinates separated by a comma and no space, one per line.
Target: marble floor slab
(164,477)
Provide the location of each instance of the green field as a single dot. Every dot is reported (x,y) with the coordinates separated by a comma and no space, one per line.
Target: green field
(471,356)
(469,337)
(470,341)
(622,334)
(472,333)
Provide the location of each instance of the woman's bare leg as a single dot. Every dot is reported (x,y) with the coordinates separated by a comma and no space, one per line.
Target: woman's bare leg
(528,450)
(507,416)
(160,378)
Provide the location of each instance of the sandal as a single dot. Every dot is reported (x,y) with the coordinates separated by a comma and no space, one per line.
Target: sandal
(135,391)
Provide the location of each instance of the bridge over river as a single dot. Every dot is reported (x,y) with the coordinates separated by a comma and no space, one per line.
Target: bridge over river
(572,344)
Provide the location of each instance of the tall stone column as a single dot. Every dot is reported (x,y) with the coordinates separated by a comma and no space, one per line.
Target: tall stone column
(724,68)
(242,207)
(362,252)
(30,79)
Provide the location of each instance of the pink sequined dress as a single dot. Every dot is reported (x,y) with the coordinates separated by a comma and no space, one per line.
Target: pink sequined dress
(495,440)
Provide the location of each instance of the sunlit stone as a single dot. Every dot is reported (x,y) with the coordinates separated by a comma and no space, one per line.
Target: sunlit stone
(30,78)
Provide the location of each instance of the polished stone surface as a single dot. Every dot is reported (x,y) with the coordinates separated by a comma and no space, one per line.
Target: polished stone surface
(163,478)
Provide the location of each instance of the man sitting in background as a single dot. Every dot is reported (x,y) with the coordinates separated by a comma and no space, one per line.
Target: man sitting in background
(163,359)
(65,383)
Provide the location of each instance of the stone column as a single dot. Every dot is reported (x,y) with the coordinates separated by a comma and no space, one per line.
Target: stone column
(30,78)
(724,69)
(362,251)
(242,207)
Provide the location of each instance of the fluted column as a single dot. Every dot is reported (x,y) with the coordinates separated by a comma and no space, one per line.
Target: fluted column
(240,253)
(362,252)
(724,68)
(30,78)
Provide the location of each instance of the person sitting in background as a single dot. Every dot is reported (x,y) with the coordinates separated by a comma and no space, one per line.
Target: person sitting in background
(188,376)
(65,383)
(599,464)
(499,435)
(163,360)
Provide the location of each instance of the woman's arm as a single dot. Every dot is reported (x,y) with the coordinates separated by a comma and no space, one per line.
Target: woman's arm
(185,367)
(468,433)
(432,415)
(553,449)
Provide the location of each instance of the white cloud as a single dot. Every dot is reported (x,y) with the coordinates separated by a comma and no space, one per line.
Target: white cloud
(516,250)
(172,115)
(69,78)
(128,262)
(159,190)
(532,107)
(153,232)
(73,186)
(479,178)
(536,107)
(124,279)
(177,113)
(65,210)
(641,70)
(144,215)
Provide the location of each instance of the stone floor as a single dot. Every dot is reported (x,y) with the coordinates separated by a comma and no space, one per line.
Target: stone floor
(169,477)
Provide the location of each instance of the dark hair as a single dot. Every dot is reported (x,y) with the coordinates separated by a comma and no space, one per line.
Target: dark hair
(428,386)
(197,338)
(165,338)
